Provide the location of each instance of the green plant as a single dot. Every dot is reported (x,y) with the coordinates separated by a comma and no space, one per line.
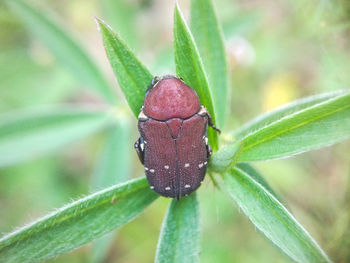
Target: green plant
(298,127)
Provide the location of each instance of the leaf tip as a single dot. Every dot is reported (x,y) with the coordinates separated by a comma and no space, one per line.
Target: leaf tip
(177,10)
(99,22)
(102,25)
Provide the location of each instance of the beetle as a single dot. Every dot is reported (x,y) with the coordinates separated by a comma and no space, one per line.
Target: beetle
(173,144)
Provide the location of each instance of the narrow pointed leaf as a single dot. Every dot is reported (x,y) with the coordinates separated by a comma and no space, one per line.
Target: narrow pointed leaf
(311,127)
(113,166)
(208,37)
(78,223)
(287,109)
(271,217)
(133,77)
(64,47)
(190,68)
(26,135)
(179,237)
(256,176)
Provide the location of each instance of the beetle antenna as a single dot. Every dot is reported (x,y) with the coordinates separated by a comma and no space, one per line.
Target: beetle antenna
(216,129)
(204,112)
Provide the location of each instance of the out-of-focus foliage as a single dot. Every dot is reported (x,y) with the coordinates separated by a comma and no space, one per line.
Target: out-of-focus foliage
(277,51)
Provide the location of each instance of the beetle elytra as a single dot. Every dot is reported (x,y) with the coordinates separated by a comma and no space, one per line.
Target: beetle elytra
(173,144)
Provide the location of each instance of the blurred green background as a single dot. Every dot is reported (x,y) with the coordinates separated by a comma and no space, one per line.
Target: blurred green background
(277,51)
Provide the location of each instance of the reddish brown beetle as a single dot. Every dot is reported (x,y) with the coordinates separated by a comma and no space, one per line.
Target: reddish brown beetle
(173,143)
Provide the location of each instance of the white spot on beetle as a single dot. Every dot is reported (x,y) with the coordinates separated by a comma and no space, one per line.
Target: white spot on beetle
(200,165)
(166,167)
(142,116)
(167,188)
(187,186)
(142,146)
(187,165)
(152,187)
(152,171)
(206,140)
(146,169)
(144,142)
(205,163)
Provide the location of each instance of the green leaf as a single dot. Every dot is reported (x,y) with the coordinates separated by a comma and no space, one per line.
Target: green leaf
(112,167)
(190,68)
(257,177)
(133,77)
(275,115)
(271,217)
(179,237)
(63,46)
(25,135)
(78,223)
(209,40)
(312,126)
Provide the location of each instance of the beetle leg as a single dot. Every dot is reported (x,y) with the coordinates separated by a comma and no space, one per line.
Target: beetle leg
(204,112)
(140,147)
(210,123)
